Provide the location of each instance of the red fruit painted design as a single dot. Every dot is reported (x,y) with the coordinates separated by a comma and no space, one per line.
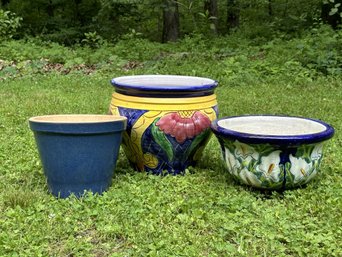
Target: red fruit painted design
(183,125)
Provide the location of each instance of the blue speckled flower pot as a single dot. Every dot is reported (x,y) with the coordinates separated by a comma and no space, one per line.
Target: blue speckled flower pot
(78,152)
(272,152)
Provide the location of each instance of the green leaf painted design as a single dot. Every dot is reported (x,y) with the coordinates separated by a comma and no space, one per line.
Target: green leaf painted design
(264,163)
(289,176)
(304,152)
(263,149)
(162,140)
(230,145)
(249,158)
(199,139)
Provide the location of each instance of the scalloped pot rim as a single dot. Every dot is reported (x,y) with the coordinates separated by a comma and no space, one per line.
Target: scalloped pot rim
(273,129)
(164,83)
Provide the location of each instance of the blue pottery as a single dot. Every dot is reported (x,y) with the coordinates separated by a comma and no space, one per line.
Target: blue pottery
(272,152)
(78,152)
(168,120)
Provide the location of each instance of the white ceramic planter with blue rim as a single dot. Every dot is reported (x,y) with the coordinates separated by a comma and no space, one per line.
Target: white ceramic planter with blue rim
(272,152)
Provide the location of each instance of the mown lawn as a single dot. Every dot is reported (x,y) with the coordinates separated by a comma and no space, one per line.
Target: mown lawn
(204,213)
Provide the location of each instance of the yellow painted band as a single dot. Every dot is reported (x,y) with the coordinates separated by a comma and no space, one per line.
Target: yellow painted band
(164,104)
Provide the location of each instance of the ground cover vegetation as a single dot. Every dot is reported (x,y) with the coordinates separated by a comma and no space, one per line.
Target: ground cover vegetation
(271,67)
(204,213)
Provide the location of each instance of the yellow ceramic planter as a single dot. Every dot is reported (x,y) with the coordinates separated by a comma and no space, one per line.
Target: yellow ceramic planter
(169,119)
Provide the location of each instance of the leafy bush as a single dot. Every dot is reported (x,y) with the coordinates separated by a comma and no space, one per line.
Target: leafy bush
(317,52)
(9,23)
(93,40)
(321,50)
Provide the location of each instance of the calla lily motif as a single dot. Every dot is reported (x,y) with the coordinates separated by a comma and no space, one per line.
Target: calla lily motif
(300,169)
(264,167)
(317,152)
(253,166)
(183,126)
(269,166)
(304,168)
(249,178)
(232,164)
(246,152)
(237,164)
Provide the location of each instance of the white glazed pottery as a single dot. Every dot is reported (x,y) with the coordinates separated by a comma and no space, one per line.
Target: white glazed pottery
(272,152)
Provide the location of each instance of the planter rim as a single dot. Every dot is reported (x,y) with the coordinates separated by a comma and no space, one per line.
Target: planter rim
(76,118)
(164,85)
(78,123)
(321,132)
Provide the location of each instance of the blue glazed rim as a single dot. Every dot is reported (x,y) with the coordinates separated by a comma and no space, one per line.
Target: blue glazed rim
(280,140)
(56,124)
(164,86)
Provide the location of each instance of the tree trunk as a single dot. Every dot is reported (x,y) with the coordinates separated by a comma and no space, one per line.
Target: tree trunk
(270,8)
(4,2)
(210,6)
(77,16)
(50,9)
(170,21)
(233,14)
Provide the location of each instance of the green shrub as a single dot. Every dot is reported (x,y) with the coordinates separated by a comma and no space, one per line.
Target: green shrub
(322,50)
(9,23)
(93,40)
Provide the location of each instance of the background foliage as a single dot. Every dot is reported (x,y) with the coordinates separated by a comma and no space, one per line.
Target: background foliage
(67,21)
(9,24)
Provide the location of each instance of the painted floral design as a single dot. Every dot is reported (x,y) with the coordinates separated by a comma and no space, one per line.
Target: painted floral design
(232,163)
(317,152)
(182,127)
(264,166)
(249,178)
(304,164)
(299,168)
(255,167)
(270,166)
(245,151)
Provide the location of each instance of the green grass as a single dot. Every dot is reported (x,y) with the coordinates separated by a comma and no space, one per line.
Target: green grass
(204,213)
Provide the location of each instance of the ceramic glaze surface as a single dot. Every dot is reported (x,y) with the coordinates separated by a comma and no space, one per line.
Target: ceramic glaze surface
(78,152)
(166,131)
(269,167)
(164,86)
(272,125)
(279,160)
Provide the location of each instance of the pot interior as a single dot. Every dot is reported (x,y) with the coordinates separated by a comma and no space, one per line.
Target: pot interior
(77,118)
(160,81)
(272,125)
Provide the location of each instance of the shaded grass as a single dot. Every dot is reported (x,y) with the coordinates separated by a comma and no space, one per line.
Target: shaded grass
(204,213)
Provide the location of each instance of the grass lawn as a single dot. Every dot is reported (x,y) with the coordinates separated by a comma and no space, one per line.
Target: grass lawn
(205,212)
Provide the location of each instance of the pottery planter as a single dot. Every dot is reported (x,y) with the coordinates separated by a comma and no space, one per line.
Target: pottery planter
(272,152)
(78,152)
(168,119)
